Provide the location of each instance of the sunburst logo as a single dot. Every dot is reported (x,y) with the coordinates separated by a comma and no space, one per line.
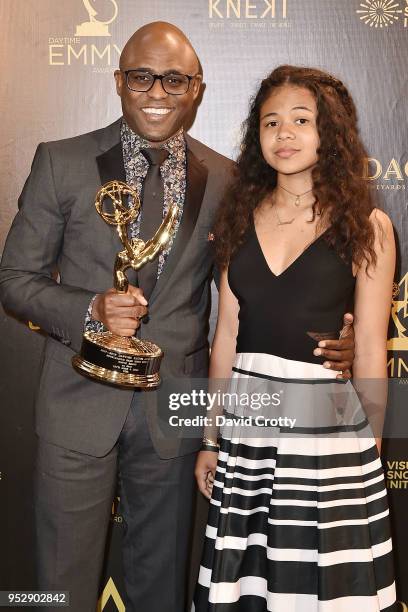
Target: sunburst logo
(379,13)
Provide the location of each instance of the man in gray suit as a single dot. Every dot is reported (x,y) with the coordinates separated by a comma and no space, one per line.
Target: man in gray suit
(88,431)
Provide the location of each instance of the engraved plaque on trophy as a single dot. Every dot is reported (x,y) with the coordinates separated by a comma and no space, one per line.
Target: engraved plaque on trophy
(120,360)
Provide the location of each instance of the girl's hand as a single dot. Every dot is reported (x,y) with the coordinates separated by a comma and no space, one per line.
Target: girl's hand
(205,471)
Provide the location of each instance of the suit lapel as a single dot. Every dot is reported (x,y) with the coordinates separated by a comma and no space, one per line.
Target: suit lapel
(196,182)
(110,164)
(111,167)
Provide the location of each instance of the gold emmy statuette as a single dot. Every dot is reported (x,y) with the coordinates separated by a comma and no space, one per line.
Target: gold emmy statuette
(94,27)
(120,360)
(399,312)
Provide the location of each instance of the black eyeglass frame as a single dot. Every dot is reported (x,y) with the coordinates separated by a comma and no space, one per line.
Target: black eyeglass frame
(160,77)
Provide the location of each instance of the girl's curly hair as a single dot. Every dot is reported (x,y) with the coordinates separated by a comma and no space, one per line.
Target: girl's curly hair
(342,195)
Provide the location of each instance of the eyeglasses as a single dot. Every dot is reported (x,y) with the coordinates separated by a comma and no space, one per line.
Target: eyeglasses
(174,84)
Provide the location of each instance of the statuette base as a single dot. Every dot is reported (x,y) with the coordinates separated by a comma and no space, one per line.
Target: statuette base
(121,361)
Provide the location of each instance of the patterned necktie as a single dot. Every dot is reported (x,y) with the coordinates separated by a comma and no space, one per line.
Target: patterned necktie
(152,213)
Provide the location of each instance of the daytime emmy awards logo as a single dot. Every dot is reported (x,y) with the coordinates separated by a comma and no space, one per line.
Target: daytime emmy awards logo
(379,13)
(399,312)
(73,50)
(398,343)
(94,27)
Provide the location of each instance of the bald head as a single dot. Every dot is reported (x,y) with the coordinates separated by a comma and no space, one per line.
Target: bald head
(155,36)
(158,50)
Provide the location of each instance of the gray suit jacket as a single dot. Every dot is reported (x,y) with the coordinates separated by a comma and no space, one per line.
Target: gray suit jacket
(57,231)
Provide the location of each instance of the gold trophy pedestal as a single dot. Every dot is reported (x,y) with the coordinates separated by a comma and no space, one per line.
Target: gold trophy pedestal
(119,360)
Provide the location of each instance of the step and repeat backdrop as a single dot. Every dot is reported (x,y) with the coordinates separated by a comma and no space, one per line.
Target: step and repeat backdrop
(57,62)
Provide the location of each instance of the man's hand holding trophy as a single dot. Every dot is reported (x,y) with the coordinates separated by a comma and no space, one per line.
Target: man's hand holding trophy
(124,360)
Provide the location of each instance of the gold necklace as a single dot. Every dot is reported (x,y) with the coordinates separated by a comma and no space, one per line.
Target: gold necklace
(297,201)
(290,221)
(275,211)
(280,222)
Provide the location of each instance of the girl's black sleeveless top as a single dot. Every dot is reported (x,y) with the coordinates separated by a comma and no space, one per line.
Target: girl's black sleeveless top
(279,315)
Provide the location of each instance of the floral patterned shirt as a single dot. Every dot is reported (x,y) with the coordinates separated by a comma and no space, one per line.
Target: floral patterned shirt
(174,174)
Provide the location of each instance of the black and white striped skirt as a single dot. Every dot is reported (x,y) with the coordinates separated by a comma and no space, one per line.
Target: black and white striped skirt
(298,519)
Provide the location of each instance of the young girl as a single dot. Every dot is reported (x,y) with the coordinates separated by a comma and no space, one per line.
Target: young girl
(298,522)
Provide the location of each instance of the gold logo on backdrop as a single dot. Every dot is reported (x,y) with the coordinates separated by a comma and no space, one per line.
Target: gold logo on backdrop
(94,27)
(115,516)
(404,606)
(396,475)
(379,13)
(244,9)
(69,50)
(386,175)
(406,26)
(109,591)
(399,313)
